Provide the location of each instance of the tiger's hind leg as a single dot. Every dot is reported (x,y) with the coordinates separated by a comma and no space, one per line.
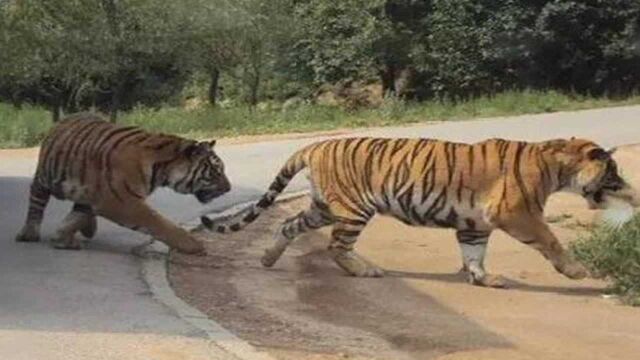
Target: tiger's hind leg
(473,246)
(81,218)
(343,238)
(315,217)
(38,199)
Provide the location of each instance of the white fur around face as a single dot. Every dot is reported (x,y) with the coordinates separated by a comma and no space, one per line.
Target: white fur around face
(617,212)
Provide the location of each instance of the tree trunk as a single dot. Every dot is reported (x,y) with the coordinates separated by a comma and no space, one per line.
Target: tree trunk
(56,108)
(254,87)
(405,83)
(116,101)
(113,115)
(55,113)
(213,86)
(388,77)
(111,13)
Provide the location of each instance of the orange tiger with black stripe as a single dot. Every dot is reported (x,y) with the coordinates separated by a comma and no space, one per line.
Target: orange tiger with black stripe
(109,170)
(472,188)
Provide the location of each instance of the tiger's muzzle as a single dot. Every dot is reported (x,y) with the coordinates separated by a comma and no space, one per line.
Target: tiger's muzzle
(613,186)
(206,195)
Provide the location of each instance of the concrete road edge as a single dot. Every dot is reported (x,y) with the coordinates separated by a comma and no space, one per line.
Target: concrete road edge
(154,273)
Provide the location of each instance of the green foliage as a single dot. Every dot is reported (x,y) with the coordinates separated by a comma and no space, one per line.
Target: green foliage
(478,47)
(452,50)
(338,37)
(27,126)
(590,46)
(614,253)
(105,53)
(22,127)
(119,54)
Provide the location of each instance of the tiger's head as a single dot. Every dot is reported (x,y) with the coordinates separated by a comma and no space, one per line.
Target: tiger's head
(199,171)
(589,170)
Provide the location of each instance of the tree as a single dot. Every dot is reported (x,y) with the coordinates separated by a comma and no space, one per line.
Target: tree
(103,53)
(260,28)
(590,46)
(361,39)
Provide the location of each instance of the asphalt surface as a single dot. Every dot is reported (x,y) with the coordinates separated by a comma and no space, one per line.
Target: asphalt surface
(93,304)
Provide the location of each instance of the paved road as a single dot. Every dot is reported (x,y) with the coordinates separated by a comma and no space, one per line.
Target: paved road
(93,304)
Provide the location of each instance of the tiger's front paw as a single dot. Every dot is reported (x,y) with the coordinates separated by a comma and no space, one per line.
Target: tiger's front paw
(27,236)
(195,249)
(66,243)
(488,280)
(574,270)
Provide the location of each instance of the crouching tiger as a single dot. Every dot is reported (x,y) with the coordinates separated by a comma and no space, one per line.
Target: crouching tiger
(474,189)
(109,170)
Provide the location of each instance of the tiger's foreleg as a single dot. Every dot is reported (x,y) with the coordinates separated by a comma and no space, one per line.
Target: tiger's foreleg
(537,234)
(39,197)
(81,218)
(315,217)
(138,216)
(473,246)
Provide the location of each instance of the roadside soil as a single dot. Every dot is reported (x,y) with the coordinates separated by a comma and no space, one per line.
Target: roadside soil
(306,308)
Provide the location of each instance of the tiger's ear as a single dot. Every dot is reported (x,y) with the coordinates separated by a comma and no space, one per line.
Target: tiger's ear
(598,154)
(197,149)
(212,143)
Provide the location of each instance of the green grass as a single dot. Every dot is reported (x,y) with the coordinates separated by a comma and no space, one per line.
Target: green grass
(614,253)
(26,127)
(22,127)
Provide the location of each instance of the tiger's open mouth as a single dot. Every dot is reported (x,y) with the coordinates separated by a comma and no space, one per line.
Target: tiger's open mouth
(597,198)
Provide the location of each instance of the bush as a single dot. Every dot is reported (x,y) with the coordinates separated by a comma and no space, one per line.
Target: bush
(589,46)
(614,253)
(22,127)
(468,48)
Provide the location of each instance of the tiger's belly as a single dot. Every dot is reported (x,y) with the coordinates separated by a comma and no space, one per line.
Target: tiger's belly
(453,216)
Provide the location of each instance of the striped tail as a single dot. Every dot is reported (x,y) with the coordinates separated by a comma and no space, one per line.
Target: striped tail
(293,166)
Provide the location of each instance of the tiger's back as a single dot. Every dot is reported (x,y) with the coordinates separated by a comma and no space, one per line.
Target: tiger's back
(85,158)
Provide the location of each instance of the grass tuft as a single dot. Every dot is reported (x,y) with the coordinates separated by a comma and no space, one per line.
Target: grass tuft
(614,253)
(22,127)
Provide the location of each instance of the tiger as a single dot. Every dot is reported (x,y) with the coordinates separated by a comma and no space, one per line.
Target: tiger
(471,188)
(109,170)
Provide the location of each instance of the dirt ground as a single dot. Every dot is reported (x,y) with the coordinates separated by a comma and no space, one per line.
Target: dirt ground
(306,308)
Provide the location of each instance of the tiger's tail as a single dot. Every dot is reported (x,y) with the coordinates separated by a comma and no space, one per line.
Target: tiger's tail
(294,165)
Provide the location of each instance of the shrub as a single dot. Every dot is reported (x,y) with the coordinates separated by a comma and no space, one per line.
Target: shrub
(614,253)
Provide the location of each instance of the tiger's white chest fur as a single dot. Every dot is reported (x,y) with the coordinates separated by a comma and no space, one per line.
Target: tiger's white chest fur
(617,212)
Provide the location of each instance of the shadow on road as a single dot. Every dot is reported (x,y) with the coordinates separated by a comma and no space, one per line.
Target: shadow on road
(306,304)
(98,289)
(511,283)
(411,321)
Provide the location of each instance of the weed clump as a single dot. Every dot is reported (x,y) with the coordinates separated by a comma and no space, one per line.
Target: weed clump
(614,253)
